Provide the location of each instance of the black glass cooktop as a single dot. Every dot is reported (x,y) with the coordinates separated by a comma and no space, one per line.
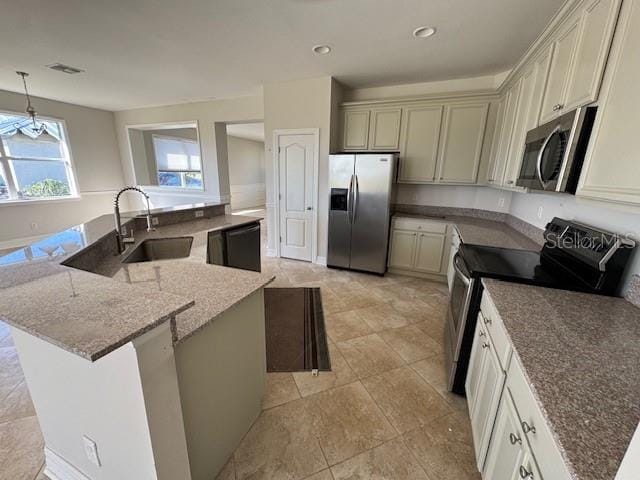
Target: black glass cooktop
(523,266)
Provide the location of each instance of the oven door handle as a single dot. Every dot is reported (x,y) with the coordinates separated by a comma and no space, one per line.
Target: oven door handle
(466,280)
(541,152)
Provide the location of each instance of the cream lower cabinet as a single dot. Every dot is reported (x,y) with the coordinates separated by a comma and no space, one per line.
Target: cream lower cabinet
(418,247)
(511,438)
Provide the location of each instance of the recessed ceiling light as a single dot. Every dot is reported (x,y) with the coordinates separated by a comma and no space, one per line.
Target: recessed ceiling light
(321,49)
(424,32)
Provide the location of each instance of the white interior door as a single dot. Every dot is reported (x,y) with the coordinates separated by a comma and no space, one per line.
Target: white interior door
(296,154)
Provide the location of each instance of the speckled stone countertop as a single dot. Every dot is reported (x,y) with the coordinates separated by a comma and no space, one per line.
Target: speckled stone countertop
(482,231)
(85,312)
(581,356)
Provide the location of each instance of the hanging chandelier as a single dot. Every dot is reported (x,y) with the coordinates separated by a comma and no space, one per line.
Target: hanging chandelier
(38,130)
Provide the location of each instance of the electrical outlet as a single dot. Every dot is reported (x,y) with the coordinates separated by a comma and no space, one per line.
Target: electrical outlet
(155,221)
(540,212)
(501,202)
(199,213)
(34,226)
(91,450)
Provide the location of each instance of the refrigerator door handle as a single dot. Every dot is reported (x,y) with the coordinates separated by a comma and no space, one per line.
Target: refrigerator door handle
(356,195)
(349,203)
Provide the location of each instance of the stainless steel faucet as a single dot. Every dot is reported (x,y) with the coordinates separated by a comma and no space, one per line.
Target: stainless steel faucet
(120,231)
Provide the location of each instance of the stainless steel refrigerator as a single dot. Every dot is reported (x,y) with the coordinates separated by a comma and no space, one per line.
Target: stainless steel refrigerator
(360,186)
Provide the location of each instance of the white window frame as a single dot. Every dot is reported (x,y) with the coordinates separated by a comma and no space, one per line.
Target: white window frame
(9,176)
(183,140)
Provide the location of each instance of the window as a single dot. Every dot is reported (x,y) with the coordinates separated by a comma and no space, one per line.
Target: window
(178,162)
(32,166)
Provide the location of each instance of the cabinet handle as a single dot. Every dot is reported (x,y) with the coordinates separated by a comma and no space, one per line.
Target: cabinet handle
(524,473)
(557,106)
(482,334)
(487,321)
(485,345)
(510,182)
(514,439)
(526,428)
(441,178)
(415,234)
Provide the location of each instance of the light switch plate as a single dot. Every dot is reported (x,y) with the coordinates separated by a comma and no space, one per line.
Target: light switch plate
(91,450)
(199,213)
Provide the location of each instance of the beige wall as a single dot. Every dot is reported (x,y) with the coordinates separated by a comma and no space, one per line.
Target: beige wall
(98,169)
(298,104)
(210,117)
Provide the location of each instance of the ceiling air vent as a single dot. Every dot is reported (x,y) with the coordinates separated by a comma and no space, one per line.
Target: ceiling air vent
(60,67)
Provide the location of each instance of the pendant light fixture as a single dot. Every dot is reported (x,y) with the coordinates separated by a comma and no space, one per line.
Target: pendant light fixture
(39,133)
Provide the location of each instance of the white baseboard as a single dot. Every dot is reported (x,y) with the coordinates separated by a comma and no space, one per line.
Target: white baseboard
(321,260)
(250,195)
(57,468)
(272,252)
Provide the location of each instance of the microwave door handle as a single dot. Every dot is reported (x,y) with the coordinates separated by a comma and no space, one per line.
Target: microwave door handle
(541,152)
(458,271)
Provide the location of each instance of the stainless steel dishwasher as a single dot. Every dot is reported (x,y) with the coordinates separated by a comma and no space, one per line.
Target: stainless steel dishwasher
(235,247)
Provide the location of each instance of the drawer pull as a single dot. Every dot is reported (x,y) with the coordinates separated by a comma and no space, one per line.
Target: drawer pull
(524,473)
(487,321)
(528,428)
(485,345)
(482,334)
(514,439)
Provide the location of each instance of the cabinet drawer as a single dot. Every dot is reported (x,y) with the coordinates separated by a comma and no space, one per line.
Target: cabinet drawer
(419,225)
(534,426)
(495,328)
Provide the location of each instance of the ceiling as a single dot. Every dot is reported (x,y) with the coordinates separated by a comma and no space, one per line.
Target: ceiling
(249,131)
(156,52)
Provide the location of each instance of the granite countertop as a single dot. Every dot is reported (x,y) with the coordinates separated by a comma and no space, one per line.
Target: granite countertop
(581,356)
(481,231)
(90,314)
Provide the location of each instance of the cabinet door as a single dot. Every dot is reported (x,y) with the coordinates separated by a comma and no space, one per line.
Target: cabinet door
(506,452)
(429,252)
(403,248)
(419,143)
(528,468)
(495,143)
(490,386)
(461,142)
(543,64)
(384,132)
(596,32)
(553,103)
(612,168)
(355,130)
(511,104)
(478,355)
(516,145)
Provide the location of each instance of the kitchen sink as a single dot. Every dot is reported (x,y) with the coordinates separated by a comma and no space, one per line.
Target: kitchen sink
(160,249)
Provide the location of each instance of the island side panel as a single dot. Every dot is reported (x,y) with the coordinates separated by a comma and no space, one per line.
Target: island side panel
(103,400)
(221,373)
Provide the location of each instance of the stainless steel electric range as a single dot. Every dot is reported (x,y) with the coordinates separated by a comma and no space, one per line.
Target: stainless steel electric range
(574,257)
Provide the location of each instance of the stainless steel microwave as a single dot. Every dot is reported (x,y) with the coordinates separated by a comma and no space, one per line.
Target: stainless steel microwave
(554,152)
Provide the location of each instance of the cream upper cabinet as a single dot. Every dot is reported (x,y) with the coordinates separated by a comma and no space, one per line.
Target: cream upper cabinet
(384,131)
(429,252)
(520,126)
(419,143)
(495,142)
(579,57)
(553,100)
(596,30)
(461,142)
(506,131)
(612,164)
(355,129)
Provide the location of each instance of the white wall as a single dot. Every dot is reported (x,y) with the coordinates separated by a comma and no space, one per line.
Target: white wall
(246,172)
(94,149)
(210,117)
(598,214)
(299,104)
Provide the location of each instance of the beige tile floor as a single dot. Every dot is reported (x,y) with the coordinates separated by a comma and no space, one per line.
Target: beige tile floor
(382,412)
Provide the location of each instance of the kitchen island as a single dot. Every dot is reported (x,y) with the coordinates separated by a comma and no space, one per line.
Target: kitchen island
(137,370)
